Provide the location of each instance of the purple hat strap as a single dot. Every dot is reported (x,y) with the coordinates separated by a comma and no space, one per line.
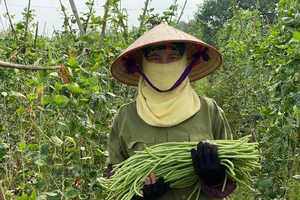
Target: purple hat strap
(203,54)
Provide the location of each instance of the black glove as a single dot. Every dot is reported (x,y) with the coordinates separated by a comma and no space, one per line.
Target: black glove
(207,164)
(156,190)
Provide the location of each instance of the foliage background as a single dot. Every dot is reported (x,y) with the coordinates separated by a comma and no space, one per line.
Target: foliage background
(55,123)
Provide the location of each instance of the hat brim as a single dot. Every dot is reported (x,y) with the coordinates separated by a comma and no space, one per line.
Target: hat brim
(166,34)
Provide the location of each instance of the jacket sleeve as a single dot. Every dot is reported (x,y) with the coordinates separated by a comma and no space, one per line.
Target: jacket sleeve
(221,131)
(114,147)
(216,192)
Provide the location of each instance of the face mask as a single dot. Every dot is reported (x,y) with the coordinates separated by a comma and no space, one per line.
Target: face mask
(164,76)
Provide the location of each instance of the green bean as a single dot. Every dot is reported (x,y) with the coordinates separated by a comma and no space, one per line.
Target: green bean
(172,160)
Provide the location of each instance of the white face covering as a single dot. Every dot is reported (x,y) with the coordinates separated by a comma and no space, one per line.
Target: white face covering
(165,109)
(164,76)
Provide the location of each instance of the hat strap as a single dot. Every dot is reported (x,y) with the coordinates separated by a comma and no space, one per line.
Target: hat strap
(186,72)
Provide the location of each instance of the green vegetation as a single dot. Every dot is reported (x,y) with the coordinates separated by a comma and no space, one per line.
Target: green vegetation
(55,123)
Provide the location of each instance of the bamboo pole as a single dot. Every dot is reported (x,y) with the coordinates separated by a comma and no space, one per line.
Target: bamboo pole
(106,9)
(75,12)
(10,22)
(27,67)
(181,12)
(36,34)
(2,196)
(27,19)
(144,14)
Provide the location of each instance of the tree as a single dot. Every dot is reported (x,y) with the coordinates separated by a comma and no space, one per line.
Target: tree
(213,14)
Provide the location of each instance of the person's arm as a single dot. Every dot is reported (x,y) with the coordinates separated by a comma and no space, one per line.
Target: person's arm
(206,159)
(221,131)
(114,148)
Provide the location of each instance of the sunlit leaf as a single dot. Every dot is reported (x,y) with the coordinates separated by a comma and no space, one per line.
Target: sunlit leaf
(22,145)
(111,94)
(57,141)
(54,74)
(75,88)
(72,62)
(4,94)
(297,35)
(17,94)
(61,100)
(296,110)
(45,100)
(71,140)
(21,110)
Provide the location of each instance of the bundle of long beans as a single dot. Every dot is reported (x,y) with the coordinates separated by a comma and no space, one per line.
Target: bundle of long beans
(172,160)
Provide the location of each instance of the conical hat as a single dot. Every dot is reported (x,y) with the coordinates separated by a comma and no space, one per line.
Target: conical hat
(165,34)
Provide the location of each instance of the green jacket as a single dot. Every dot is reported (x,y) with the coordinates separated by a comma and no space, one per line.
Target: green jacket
(130,132)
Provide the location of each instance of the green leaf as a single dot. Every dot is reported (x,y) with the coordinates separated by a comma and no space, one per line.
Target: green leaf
(42,197)
(71,193)
(4,94)
(288,20)
(94,81)
(21,110)
(297,35)
(57,141)
(72,62)
(71,140)
(17,94)
(96,88)
(61,100)
(22,145)
(75,88)
(111,94)
(45,100)
(55,195)
(44,149)
(265,184)
(96,20)
(33,195)
(296,110)
(3,150)
(39,160)
(32,97)
(54,74)
(58,87)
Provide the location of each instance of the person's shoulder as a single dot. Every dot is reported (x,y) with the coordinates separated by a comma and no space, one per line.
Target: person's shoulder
(127,107)
(210,103)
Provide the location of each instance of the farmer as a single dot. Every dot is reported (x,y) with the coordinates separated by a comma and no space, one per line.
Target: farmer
(162,63)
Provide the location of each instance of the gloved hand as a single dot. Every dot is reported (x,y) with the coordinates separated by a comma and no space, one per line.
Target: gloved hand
(207,164)
(156,190)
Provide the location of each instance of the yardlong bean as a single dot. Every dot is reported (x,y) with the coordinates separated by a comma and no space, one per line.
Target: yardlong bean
(172,160)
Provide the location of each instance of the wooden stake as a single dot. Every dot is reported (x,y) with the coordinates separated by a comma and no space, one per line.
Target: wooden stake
(2,196)
(10,22)
(106,9)
(181,12)
(27,67)
(144,14)
(75,12)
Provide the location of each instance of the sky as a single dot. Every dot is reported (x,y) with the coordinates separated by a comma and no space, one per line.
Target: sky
(49,16)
